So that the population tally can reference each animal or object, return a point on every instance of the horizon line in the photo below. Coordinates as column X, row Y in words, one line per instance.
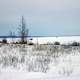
column 37, row 36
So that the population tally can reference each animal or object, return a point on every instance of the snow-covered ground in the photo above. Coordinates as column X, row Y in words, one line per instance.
column 62, row 40
column 39, row 62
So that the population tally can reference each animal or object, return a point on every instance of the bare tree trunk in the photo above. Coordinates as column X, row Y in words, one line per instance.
column 23, row 31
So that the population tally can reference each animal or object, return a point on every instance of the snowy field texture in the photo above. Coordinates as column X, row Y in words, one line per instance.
column 39, row 62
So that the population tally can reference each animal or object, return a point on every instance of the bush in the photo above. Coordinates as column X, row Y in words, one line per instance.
column 4, row 41
column 57, row 43
column 21, row 42
column 25, row 42
column 30, row 43
column 75, row 44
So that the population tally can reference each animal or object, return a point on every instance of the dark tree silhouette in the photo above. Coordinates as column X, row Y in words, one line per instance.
column 75, row 44
column 57, row 43
column 4, row 40
column 23, row 31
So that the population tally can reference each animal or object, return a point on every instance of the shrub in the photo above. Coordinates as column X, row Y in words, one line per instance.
column 21, row 42
column 25, row 42
column 30, row 43
column 57, row 43
column 75, row 44
column 4, row 41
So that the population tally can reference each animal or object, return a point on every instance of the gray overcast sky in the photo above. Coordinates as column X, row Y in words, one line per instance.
column 43, row 17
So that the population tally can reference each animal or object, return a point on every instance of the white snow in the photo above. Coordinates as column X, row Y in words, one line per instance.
column 18, row 62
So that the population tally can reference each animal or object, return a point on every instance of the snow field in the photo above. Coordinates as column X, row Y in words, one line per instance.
column 39, row 62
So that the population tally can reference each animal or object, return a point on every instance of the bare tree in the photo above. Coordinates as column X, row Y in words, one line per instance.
column 12, row 35
column 23, row 31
